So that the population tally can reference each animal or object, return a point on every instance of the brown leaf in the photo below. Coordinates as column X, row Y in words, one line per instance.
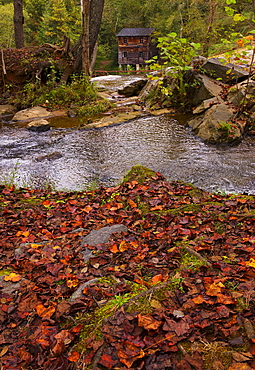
column 242, row 357
column 148, row 322
column 239, row 366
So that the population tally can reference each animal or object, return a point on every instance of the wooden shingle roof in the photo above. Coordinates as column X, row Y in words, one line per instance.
column 136, row 32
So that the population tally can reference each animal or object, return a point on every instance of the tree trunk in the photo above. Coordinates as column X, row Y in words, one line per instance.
column 95, row 17
column 85, row 37
column 18, row 24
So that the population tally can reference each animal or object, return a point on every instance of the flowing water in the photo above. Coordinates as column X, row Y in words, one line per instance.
column 73, row 159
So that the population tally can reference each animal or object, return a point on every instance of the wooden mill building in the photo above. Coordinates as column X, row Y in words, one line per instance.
column 135, row 46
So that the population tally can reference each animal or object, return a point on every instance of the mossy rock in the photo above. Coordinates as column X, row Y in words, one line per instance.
column 139, row 173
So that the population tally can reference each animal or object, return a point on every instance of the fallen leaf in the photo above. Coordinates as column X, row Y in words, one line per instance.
column 45, row 312
column 148, row 322
column 74, row 356
column 13, row 277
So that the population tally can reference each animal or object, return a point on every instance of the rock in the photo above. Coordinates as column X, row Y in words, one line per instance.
column 133, row 89
column 245, row 89
column 228, row 72
column 201, row 88
column 79, row 292
column 101, row 236
column 114, row 119
column 49, row 157
column 8, row 286
column 159, row 112
column 39, row 125
column 236, row 96
column 94, row 238
column 207, row 104
column 215, row 126
column 7, row 109
column 31, row 113
column 149, row 89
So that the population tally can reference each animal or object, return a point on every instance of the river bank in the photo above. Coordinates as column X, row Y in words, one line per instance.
column 166, row 280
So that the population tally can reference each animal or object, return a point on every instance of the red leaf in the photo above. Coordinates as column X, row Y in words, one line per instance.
column 107, row 361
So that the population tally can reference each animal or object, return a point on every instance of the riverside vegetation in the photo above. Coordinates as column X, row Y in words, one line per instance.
column 174, row 289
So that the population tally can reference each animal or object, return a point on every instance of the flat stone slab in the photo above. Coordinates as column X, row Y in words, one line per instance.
column 100, row 236
column 39, row 125
column 7, row 109
column 31, row 113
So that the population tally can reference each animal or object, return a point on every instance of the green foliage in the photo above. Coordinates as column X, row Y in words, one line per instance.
column 50, row 21
column 80, row 95
column 6, row 26
column 175, row 53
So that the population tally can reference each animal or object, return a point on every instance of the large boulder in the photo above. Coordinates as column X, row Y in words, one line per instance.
column 133, row 89
column 31, row 113
column 201, row 87
column 215, row 125
column 228, row 72
column 243, row 92
column 150, row 87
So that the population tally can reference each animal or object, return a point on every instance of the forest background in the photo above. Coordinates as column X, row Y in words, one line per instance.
column 205, row 22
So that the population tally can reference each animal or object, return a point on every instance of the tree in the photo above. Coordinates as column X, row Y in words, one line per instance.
column 18, row 24
column 92, row 11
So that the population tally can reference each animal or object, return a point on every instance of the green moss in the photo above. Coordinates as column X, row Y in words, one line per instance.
column 193, row 208
column 189, row 261
column 138, row 173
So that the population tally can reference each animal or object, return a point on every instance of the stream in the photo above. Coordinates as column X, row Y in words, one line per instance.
column 73, row 159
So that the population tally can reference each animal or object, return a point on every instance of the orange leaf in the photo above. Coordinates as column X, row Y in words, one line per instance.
column 156, row 279
column 148, row 322
column 114, row 248
column 46, row 203
column 157, row 208
column 74, row 356
column 199, row 299
column 12, row 277
column 132, row 203
column 87, row 209
column 214, row 289
column 45, row 311
column 43, row 342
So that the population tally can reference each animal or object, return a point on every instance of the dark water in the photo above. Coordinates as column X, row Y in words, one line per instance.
column 101, row 157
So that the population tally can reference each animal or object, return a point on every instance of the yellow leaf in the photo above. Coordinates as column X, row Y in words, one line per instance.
column 4, row 351
column 123, row 246
column 250, row 263
column 33, row 245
